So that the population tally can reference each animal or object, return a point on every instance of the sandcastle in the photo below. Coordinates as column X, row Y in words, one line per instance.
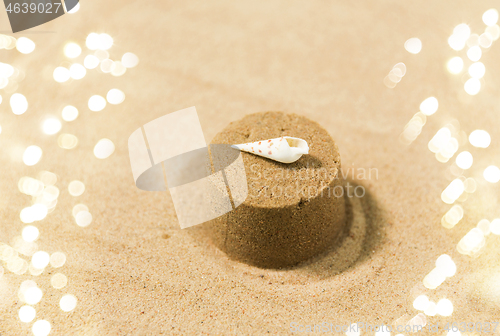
column 293, row 211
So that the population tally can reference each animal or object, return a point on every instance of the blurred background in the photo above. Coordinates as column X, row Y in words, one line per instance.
column 409, row 88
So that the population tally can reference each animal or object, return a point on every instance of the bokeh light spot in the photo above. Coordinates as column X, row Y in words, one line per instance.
column 472, row 86
column 492, row 174
column 83, row 218
column 97, row 103
column 429, row 106
column 455, row 65
column 480, row 139
column 57, row 259
column 72, row 50
column 115, row 96
column 104, row 148
column 130, row 60
column 18, row 103
column 69, row 113
column 51, row 126
column 413, row 45
column 68, row 302
column 58, row 281
column 32, row 155
column 76, row 188
column 41, row 328
column 30, row 233
column 27, row 314
column 61, row 74
column 24, row 45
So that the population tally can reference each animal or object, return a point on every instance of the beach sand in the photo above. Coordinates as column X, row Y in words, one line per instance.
column 135, row 272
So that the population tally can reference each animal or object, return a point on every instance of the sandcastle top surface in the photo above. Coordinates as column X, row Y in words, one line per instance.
column 274, row 184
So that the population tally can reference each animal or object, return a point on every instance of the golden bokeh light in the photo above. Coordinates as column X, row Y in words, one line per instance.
column 477, row 70
column 433, row 280
column 92, row 41
column 77, row 71
column 6, row 70
column 453, row 191
column 30, row 186
column 452, row 217
column 57, row 259
column 421, row 302
column 69, row 113
column 490, row 17
column 75, row 9
column 462, row 31
column 83, row 218
column 30, row 233
column 472, row 86
column 119, row 69
column 485, row 40
column 97, row 103
column 51, row 126
column 474, row 53
column 455, row 65
column 39, row 211
column 91, row 62
column 429, row 106
column 470, row 185
column 58, row 281
column 27, row 314
column 493, row 32
column 50, row 193
column 32, row 155
column 492, row 174
column 35, row 271
column 18, row 103
column 76, row 188
column 47, row 178
column 24, row 45
column 480, row 139
column 68, row 302
column 473, row 40
column 115, row 96
column 484, row 225
column 444, row 307
column 41, row 327
column 446, row 265
column 72, row 50
column 495, row 226
column 431, row 309
column 105, row 42
column 67, row 141
column 130, row 60
column 61, row 74
column 40, row 259
column 464, row 160
column 79, row 207
column 101, row 55
column 104, row 148
column 107, row 65
column 471, row 243
column 413, row 45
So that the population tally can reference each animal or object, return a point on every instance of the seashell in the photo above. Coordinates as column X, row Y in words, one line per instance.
column 285, row 149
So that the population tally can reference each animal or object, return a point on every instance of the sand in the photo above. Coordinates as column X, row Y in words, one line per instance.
column 292, row 211
column 135, row 272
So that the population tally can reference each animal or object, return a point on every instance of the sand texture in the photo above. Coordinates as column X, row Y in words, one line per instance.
column 135, row 272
